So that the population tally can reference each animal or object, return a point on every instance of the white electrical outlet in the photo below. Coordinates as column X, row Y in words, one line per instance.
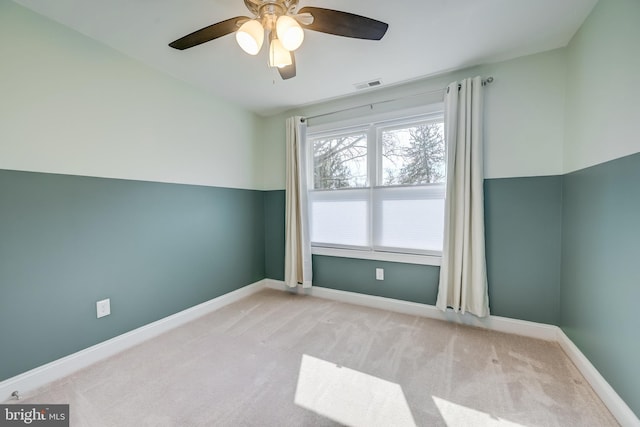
column 103, row 308
column 379, row 273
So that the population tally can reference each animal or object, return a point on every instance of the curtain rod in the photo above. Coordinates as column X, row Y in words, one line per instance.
column 485, row 82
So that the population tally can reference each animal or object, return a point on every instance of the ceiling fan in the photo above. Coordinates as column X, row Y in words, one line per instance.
column 284, row 26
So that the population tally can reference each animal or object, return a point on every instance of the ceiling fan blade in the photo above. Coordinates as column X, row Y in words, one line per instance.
column 206, row 34
column 290, row 70
column 344, row 24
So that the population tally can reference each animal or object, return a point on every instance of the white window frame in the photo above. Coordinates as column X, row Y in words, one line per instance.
column 373, row 125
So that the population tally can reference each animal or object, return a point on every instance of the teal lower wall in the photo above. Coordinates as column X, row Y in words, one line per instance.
column 523, row 240
column 154, row 249
column 600, row 289
column 408, row 282
column 523, row 232
column 274, row 205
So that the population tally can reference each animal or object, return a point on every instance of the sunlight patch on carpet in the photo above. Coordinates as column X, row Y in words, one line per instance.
column 458, row 415
column 350, row 397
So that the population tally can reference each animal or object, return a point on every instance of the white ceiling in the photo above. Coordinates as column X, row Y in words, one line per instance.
column 425, row 37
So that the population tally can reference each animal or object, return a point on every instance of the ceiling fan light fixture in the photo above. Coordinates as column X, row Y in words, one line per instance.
column 284, row 24
column 289, row 32
column 278, row 55
column 250, row 36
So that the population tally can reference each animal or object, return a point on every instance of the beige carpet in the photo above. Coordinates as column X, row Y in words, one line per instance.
column 276, row 359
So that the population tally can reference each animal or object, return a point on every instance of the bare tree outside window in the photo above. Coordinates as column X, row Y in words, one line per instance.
column 340, row 162
column 413, row 155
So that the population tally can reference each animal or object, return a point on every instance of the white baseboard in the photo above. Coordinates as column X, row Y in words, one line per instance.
column 496, row 323
column 620, row 410
column 42, row 375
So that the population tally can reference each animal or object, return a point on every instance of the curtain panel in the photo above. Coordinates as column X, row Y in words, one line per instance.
column 463, row 272
column 297, row 261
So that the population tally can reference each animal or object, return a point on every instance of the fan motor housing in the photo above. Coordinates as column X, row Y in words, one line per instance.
column 270, row 7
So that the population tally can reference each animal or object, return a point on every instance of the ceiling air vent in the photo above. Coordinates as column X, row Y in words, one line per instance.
column 367, row 85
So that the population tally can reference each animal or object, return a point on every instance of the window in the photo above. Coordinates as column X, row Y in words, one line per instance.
column 378, row 187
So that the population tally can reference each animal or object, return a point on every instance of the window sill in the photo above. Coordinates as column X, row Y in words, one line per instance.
column 378, row 256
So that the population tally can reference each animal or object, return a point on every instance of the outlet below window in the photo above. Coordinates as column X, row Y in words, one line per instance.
column 379, row 273
column 103, row 308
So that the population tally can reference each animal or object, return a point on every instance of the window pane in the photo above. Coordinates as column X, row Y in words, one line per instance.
column 412, row 224
column 409, row 218
column 413, row 154
column 340, row 161
column 340, row 217
column 390, row 198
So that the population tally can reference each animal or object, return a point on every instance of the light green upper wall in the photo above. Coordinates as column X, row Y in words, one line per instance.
column 603, row 114
column 71, row 105
column 524, row 115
